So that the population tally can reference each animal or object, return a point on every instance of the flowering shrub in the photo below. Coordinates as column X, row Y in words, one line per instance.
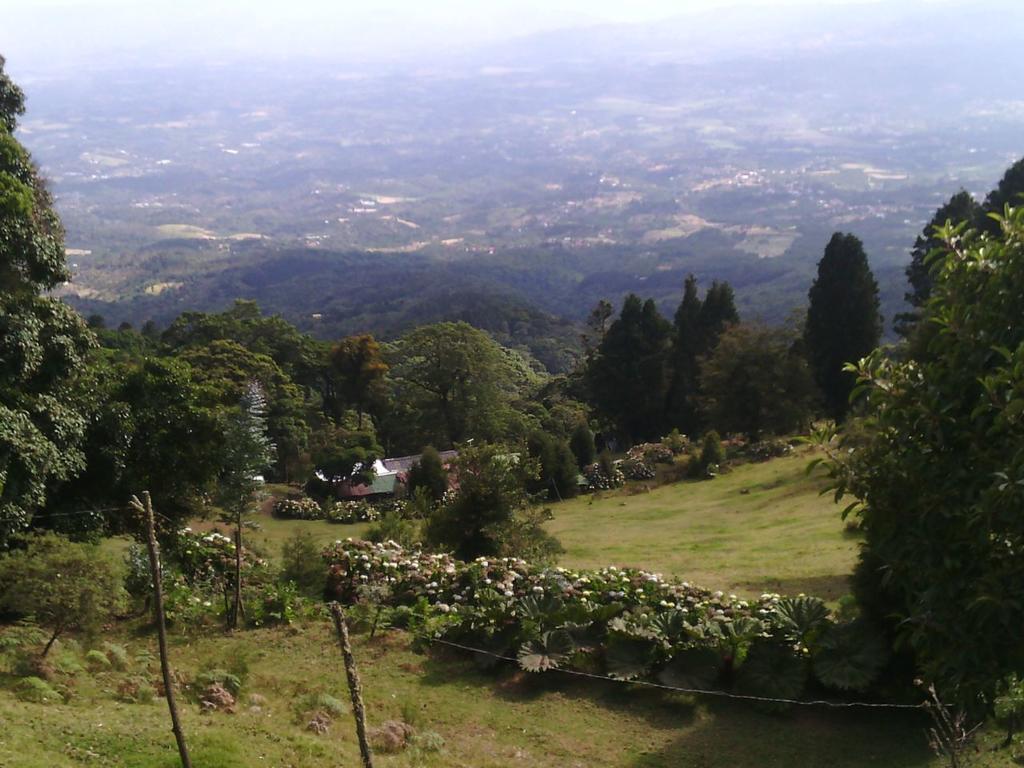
column 637, row 469
column 298, row 509
column 598, row 479
column 348, row 512
column 765, row 450
column 651, row 453
column 633, row 623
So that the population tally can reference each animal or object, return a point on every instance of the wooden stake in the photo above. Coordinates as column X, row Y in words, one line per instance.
column 354, row 687
column 236, row 610
column 146, row 508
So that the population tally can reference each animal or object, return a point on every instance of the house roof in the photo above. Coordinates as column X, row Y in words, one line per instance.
column 405, row 463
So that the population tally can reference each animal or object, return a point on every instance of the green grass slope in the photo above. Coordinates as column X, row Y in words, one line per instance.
column 487, row 720
column 761, row 527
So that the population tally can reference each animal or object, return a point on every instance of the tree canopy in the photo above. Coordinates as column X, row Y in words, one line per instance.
column 43, row 343
column 939, row 474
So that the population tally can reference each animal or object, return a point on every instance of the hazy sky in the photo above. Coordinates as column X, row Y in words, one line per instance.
column 38, row 34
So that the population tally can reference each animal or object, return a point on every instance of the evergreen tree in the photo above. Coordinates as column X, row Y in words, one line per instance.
column 716, row 314
column 959, row 208
column 628, row 376
column 247, row 453
column 581, row 443
column 843, row 321
column 698, row 326
column 43, row 343
column 557, row 477
column 686, row 349
column 1010, row 191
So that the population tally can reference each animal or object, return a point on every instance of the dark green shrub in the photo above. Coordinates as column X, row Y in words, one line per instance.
column 65, row 585
column 581, row 442
column 301, row 564
column 429, row 473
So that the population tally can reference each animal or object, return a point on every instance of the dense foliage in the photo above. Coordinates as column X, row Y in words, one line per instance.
column 756, row 381
column 61, row 584
column 939, row 473
column 43, row 343
column 627, row 623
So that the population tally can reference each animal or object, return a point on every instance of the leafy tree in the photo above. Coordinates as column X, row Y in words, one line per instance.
column 491, row 493
column 231, row 369
column 756, row 381
column 342, row 455
column 458, row 382
column 843, row 322
column 64, row 585
column 357, row 371
column 581, row 443
column 43, row 343
column 298, row 355
column 939, row 475
column 961, row 207
column 429, row 474
column 628, row 376
column 155, row 429
column 246, row 455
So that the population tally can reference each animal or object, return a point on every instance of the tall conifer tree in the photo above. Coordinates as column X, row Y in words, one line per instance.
column 843, row 321
column 959, row 208
column 628, row 375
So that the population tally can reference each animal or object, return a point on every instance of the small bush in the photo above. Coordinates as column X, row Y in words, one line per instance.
column 676, row 442
column 298, row 509
column 711, row 451
column 427, row 741
column 36, row 690
column 96, row 661
column 348, row 512
column 394, row 527
column 117, row 655
column 230, row 682
column 637, row 469
column 136, row 690
column 301, row 564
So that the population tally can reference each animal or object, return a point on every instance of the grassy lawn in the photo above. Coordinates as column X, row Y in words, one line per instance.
column 270, row 532
column 486, row 719
column 761, row 527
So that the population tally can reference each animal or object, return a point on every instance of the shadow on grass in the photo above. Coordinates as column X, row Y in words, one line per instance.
column 706, row 732
column 828, row 586
column 740, row 736
column 506, row 681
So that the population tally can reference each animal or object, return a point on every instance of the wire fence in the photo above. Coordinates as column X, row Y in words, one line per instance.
column 691, row 691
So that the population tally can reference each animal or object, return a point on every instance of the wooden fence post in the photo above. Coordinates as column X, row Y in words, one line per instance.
column 354, row 687
column 146, row 508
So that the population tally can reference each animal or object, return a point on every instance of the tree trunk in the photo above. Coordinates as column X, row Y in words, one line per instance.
column 161, row 628
column 236, row 609
column 354, row 687
column 53, row 639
